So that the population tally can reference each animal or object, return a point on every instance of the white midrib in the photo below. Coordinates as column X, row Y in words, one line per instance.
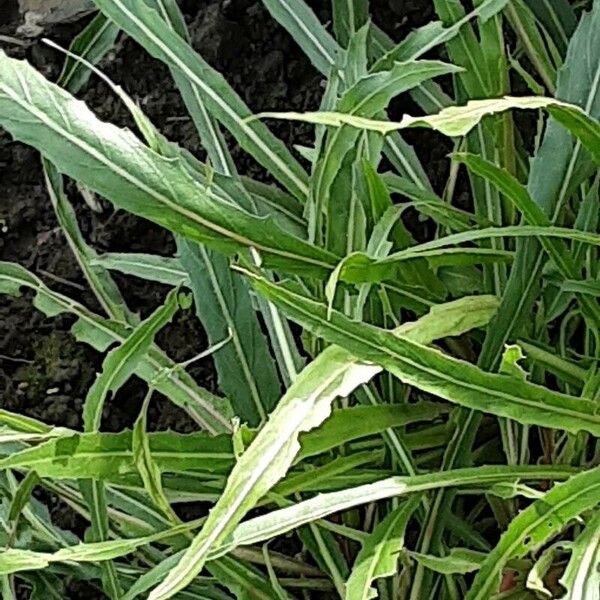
column 559, row 205
column 301, row 185
column 76, row 309
column 66, row 79
column 40, row 115
column 222, row 161
column 585, row 566
column 237, row 343
column 331, row 145
column 483, row 391
column 119, row 454
column 139, row 266
column 330, row 59
column 198, row 551
column 512, row 550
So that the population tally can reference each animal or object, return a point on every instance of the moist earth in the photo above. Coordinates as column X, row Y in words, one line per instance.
column 44, row 372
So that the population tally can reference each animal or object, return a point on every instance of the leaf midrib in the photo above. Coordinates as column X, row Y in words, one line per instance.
column 593, row 419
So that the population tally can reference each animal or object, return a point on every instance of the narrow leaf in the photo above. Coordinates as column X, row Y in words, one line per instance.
column 533, row 526
column 379, row 554
column 305, row 405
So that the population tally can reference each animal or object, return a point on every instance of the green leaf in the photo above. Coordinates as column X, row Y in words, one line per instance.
column 245, row 368
column 533, row 526
column 533, row 40
column 223, row 302
column 459, row 561
column 305, row 405
column 302, row 24
column 578, row 82
column 424, row 39
column 379, row 554
column 353, row 423
column 208, row 410
column 116, row 164
column 147, row 27
column 150, row 267
column 591, row 287
column 457, row 121
column 99, row 279
column 348, row 17
column 12, row 561
column 96, row 39
column 322, row 49
column 581, row 578
column 436, row 373
column 94, row 495
column 21, row 498
column 286, row 519
column 91, row 44
column 243, row 580
column 110, row 455
column 358, row 267
column 148, row 468
column 208, row 129
column 279, row 521
column 518, row 194
column 558, row 17
column 366, row 98
column 431, row 205
column 121, row 363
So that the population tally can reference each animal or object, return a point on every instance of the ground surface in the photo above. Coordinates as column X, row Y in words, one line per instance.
column 43, row 371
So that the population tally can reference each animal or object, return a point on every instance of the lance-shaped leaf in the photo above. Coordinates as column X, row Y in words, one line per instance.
column 99, row 279
column 146, row 26
column 116, row 164
column 349, row 424
column 423, row 39
column 533, row 526
column 558, row 17
column 286, row 519
column 457, row 561
column 280, row 521
column 302, row 24
column 457, row 121
column 151, row 267
column 359, row 267
column 246, row 370
column 348, row 17
column 74, row 455
column 579, row 83
column 436, row 373
column 305, row 405
column 210, row 135
column 366, row 98
column 581, row 578
column 120, row 363
column 379, row 554
column 325, row 53
column 91, row 44
column 209, row 411
column 518, row 194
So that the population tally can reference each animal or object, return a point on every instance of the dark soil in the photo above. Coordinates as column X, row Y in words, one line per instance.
column 44, row 373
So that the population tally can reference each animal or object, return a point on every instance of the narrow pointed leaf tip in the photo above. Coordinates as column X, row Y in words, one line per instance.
column 456, row 121
column 116, row 164
column 435, row 372
column 335, row 373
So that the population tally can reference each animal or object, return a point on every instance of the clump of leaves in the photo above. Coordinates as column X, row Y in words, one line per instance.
column 437, row 425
